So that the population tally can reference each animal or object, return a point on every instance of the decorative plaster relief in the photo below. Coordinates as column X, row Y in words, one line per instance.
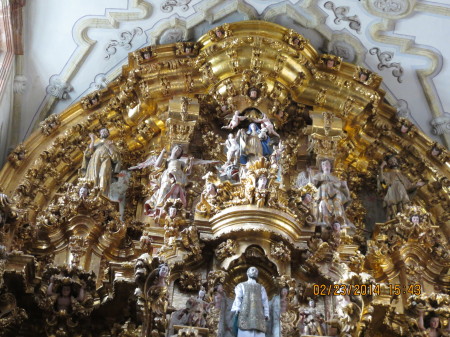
column 441, row 124
column 344, row 50
column 126, row 38
column 392, row 6
column 58, row 88
column 100, row 82
column 347, row 46
column 402, row 108
column 341, row 15
column 20, row 84
column 168, row 5
column 172, row 35
column 385, row 58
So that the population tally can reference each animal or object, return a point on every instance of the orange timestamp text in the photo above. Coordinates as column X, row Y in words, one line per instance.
column 346, row 289
column 364, row 289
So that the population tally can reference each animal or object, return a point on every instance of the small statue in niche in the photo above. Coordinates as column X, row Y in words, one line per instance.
column 332, row 195
column 313, row 322
column 100, row 162
column 219, row 297
column 253, row 93
column 276, row 159
column 399, row 189
column 146, row 55
column 363, row 76
column 184, row 107
column 235, row 120
column 198, row 309
column 7, row 214
column 208, row 198
column 173, row 222
column 261, row 191
column 219, row 33
column 336, row 228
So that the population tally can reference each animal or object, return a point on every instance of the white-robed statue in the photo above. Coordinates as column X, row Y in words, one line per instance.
column 252, row 306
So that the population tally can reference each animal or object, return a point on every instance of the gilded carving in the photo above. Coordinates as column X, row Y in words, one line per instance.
column 280, row 251
column 50, row 124
column 17, row 155
column 226, row 249
column 262, row 188
column 190, row 281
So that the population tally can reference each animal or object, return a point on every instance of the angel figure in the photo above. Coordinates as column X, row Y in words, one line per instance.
column 172, row 181
column 266, row 123
column 235, row 120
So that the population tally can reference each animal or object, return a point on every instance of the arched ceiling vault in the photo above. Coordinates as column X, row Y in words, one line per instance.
column 219, row 70
column 404, row 40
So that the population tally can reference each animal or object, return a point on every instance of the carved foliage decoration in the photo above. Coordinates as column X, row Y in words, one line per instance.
column 190, row 281
column 226, row 249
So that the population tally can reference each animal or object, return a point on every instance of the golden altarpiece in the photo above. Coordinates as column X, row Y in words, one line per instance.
column 138, row 210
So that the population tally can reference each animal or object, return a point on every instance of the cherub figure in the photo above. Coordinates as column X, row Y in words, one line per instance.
column 235, row 120
column 64, row 294
column 232, row 150
column 434, row 329
column 266, row 123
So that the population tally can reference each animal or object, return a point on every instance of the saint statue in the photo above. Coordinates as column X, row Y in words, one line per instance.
column 100, row 161
column 252, row 144
column 314, row 322
column 251, row 306
column 399, row 188
column 332, row 195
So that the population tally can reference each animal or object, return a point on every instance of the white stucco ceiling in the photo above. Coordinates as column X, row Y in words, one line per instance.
column 80, row 45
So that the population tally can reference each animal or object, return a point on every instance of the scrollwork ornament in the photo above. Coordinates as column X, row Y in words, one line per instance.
column 384, row 58
column 126, row 38
column 168, row 5
column 341, row 14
